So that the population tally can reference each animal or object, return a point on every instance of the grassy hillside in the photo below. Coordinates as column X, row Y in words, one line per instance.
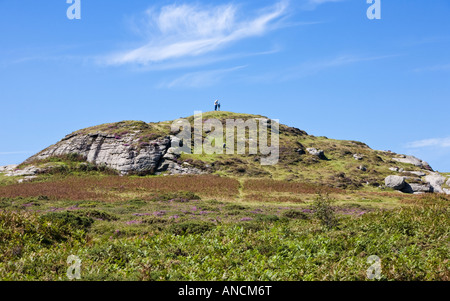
column 338, row 169
column 305, row 218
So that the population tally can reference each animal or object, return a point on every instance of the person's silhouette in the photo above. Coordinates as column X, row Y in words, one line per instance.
column 216, row 105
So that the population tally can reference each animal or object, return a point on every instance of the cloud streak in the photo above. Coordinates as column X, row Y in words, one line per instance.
column 15, row 153
column 200, row 78
column 433, row 142
column 313, row 4
column 180, row 31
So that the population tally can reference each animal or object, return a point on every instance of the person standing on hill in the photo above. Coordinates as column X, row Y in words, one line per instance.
column 216, row 104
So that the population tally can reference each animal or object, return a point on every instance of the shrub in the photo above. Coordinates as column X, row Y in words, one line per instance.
column 294, row 214
column 115, row 254
column 136, row 203
column 324, row 211
column 192, row 227
column 27, row 229
column 232, row 207
column 102, row 215
column 267, row 218
column 252, row 226
column 215, row 202
column 68, row 218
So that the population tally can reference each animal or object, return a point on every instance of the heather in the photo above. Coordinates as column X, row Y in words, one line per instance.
column 182, row 235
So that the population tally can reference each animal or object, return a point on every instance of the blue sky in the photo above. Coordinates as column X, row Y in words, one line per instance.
column 319, row 65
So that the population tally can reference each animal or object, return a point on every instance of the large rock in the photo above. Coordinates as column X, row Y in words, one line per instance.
column 417, row 188
column 436, row 181
column 362, row 168
column 417, row 173
column 414, row 161
column 28, row 171
column 7, row 168
column 316, row 152
column 125, row 155
column 395, row 182
column 357, row 157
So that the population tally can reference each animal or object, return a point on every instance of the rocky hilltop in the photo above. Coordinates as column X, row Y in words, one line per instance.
column 130, row 147
column 136, row 147
column 120, row 154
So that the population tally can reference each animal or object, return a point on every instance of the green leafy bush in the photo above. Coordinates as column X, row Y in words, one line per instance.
column 232, row 207
column 23, row 230
column 295, row 214
column 324, row 211
column 267, row 218
column 76, row 221
column 192, row 227
column 98, row 214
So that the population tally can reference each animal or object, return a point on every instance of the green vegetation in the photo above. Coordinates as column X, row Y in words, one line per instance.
column 325, row 212
column 339, row 169
column 305, row 218
column 167, row 239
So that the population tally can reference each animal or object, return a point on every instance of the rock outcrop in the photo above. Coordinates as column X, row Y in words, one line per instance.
column 431, row 183
column 7, row 168
column 124, row 154
column 417, row 173
column 417, row 188
column 30, row 171
column 395, row 182
column 315, row 152
column 436, row 181
column 396, row 169
column 412, row 160
column 357, row 157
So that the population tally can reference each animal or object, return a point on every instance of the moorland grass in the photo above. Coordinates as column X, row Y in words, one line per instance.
column 174, row 238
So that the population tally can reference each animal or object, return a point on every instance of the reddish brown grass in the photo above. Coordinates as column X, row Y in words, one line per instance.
column 112, row 187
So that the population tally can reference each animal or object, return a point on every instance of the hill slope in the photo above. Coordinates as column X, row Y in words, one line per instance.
column 136, row 147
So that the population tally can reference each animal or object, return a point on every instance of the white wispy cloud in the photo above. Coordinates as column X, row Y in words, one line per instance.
column 318, row 2
column 186, row 30
column 15, row 153
column 433, row 142
column 203, row 60
column 313, row 4
column 200, row 78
